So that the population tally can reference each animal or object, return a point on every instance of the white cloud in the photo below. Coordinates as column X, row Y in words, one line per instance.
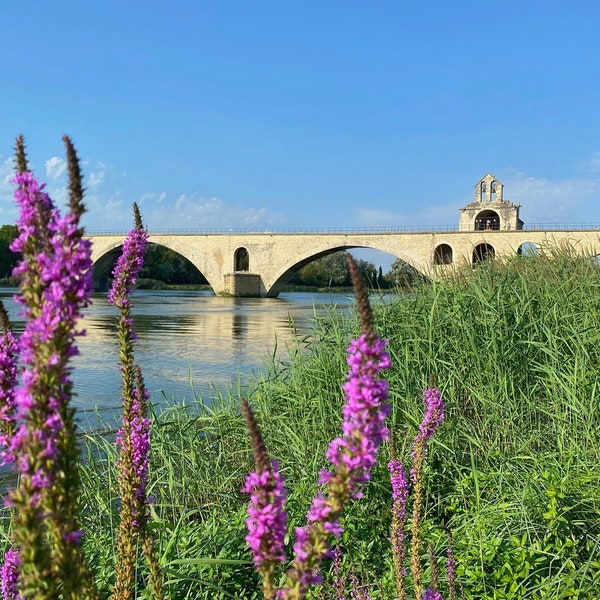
column 95, row 179
column 195, row 212
column 153, row 197
column 56, row 169
column 553, row 201
column 101, row 173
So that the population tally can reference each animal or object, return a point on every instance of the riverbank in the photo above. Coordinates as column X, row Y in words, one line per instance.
column 514, row 470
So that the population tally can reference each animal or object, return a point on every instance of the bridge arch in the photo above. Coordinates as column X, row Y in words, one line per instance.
column 483, row 252
column 297, row 263
column 443, row 255
column 103, row 260
column 528, row 249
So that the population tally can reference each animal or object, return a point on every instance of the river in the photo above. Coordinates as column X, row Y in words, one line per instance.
column 189, row 343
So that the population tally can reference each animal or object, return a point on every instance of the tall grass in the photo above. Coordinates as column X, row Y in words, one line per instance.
column 514, row 471
column 515, row 349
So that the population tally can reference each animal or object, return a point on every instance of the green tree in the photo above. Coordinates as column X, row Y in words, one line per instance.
column 8, row 258
column 335, row 269
column 403, row 275
column 368, row 271
column 332, row 270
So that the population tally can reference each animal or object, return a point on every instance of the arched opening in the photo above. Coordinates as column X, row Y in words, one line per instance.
column 442, row 255
column 487, row 219
column 528, row 249
column 328, row 269
column 493, row 191
column 103, row 269
column 241, row 260
column 483, row 252
column 161, row 266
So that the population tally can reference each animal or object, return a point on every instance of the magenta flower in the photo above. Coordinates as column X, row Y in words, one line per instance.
column 434, row 414
column 267, row 517
column 352, row 457
column 9, row 355
column 128, row 267
column 56, row 284
column 400, row 491
column 354, row 454
column 431, row 595
column 365, row 411
column 9, row 575
column 140, row 442
column 133, row 437
column 267, row 521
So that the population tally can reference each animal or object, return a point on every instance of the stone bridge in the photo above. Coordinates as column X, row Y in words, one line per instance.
column 259, row 264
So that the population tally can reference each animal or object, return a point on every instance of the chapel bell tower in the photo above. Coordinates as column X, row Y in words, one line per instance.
column 489, row 210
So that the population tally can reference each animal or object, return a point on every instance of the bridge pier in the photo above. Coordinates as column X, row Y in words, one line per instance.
column 244, row 284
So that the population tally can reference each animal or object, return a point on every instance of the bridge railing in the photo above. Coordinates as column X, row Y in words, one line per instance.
column 345, row 230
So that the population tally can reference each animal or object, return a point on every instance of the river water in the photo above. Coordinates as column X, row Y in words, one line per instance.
column 189, row 343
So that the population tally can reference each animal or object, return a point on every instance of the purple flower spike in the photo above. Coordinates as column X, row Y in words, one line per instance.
column 267, row 517
column 434, row 415
column 352, row 456
column 9, row 353
column 56, row 283
column 129, row 264
column 267, row 521
column 140, row 442
column 133, row 438
column 55, row 273
column 9, row 575
column 365, row 411
column 431, row 595
column 400, row 491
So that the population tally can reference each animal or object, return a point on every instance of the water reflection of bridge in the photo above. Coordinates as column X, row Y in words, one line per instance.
column 254, row 263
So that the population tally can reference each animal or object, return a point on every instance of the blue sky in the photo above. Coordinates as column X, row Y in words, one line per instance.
column 236, row 114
